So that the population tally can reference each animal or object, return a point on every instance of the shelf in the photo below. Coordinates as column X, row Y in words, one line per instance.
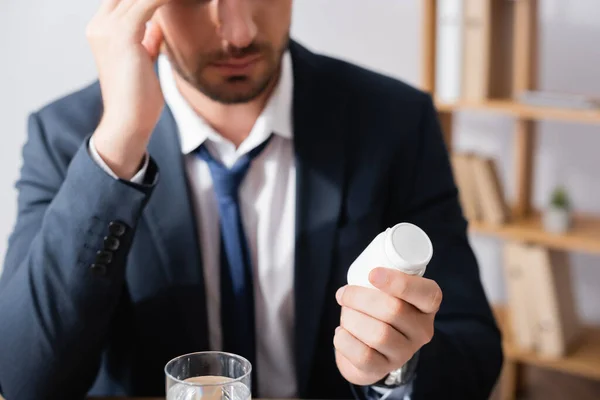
column 508, row 107
column 584, row 235
column 583, row 360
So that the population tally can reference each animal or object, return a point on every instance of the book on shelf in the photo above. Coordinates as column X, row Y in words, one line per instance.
column 558, row 326
column 465, row 180
column 559, row 100
column 473, row 50
column 490, row 191
column 542, row 308
column 477, row 49
column 500, row 77
column 481, row 192
column 449, row 48
column 521, row 308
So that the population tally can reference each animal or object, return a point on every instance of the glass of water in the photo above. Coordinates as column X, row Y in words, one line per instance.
column 210, row 375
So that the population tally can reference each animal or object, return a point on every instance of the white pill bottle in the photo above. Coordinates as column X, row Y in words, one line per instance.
column 404, row 247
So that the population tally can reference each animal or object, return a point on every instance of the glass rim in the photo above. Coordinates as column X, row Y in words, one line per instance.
column 198, row 353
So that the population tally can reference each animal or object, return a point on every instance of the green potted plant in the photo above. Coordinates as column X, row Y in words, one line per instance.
column 557, row 216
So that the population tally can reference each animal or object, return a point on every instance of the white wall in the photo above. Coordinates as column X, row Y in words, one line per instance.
column 44, row 54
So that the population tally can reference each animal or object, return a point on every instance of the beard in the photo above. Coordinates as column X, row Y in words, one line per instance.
column 231, row 89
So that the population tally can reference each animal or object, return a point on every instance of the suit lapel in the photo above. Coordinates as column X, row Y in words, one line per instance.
column 171, row 221
column 320, row 159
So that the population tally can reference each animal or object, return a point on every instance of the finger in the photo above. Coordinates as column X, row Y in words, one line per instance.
column 153, row 39
column 107, row 6
column 141, row 11
column 125, row 5
column 401, row 315
column 359, row 354
column 378, row 335
column 353, row 374
column 421, row 292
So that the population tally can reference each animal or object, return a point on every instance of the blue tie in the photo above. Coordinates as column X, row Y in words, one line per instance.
column 237, row 294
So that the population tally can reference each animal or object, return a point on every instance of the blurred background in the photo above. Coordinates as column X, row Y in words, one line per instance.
column 45, row 55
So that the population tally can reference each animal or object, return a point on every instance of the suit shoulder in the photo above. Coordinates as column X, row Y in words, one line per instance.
column 61, row 126
column 82, row 105
column 377, row 106
column 370, row 84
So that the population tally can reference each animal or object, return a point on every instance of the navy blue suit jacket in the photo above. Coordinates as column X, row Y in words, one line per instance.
column 369, row 154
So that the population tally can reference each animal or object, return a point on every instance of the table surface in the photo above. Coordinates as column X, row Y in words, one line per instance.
column 131, row 398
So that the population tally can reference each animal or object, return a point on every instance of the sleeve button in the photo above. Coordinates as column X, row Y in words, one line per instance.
column 98, row 269
column 111, row 243
column 103, row 257
column 116, row 228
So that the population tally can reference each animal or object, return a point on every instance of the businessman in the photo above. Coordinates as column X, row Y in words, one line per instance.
column 210, row 191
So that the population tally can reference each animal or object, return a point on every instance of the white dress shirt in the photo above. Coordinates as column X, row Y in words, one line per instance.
column 267, row 201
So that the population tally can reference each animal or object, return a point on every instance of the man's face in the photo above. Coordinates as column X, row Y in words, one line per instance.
column 230, row 50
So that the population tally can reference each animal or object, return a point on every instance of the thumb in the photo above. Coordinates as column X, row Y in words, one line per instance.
column 153, row 39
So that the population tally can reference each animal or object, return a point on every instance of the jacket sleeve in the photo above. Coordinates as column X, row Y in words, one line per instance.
column 464, row 358
column 64, row 269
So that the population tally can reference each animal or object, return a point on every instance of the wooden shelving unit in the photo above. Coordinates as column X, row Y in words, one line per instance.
column 583, row 360
column 524, row 111
column 525, row 223
column 584, row 235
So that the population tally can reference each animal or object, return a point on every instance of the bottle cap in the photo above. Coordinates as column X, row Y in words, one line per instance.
column 409, row 248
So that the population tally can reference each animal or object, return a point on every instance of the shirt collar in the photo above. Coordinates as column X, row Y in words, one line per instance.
column 276, row 117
